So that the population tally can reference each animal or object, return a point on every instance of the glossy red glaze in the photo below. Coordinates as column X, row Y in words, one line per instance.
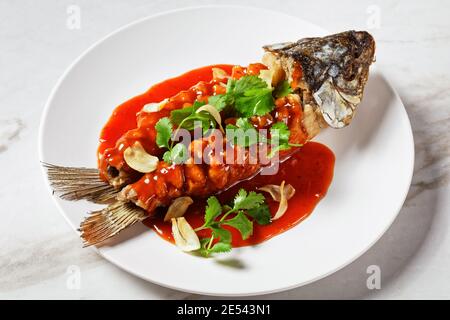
column 309, row 171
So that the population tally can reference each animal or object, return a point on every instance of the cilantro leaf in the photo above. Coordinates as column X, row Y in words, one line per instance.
column 247, row 83
column 279, row 136
column 167, row 157
column 251, row 204
column 244, row 124
column 231, row 84
column 255, row 102
column 249, row 96
column 222, row 234
column 220, row 101
column 240, row 197
column 242, row 224
column 179, row 153
column 280, row 132
column 204, row 244
column 243, row 133
column 177, row 116
column 213, row 210
column 198, row 120
column 197, row 104
column 247, row 201
column 220, row 247
column 187, row 118
column 261, row 214
column 163, row 132
column 282, row 89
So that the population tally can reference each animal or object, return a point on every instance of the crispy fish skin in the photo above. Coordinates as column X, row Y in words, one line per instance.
column 334, row 71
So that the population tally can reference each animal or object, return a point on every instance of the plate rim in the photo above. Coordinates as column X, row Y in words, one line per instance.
column 59, row 82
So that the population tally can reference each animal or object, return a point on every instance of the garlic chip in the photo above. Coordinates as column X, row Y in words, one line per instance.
column 219, row 74
column 178, row 208
column 138, row 159
column 281, row 194
column 212, row 111
column 185, row 237
column 274, row 191
column 154, row 106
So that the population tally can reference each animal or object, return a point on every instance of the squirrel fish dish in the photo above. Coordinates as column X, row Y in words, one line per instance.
column 221, row 156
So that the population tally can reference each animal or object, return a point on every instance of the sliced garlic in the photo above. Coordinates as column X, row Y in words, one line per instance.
column 151, row 107
column 212, row 111
column 275, row 191
column 154, row 106
column 280, row 194
column 219, row 73
column 178, row 208
column 283, row 204
column 185, row 237
column 138, row 159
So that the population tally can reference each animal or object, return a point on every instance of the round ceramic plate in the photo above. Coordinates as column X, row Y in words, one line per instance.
column 374, row 155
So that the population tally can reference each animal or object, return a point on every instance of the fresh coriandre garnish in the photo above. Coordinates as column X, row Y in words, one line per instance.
column 244, row 133
column 249, row 96
column 261, row 214
column 178, row 154
column 187, row 118
column 282, row 89
column 163, row 132
column 247, row 201
column 251, row 204
column 175, row 154
column 280, row 133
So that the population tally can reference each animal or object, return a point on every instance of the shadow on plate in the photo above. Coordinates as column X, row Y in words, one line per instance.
column 231, row 263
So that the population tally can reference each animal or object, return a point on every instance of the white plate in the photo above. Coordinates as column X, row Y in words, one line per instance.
column 374, row 155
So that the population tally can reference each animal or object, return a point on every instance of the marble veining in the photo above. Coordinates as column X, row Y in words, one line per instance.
column 9, row 132
column 28, row 264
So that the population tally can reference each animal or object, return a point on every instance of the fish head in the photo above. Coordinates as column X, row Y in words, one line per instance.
column 334, row 71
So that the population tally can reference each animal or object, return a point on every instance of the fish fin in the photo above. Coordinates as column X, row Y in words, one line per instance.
column 106, row 223
column 79, row 183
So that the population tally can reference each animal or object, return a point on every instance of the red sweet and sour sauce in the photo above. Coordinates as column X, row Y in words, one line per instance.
column 309, row 171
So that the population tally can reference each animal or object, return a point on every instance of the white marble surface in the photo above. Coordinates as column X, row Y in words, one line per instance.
column 37, row 247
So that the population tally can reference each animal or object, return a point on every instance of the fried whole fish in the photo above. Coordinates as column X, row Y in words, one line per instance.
column 327, row 77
